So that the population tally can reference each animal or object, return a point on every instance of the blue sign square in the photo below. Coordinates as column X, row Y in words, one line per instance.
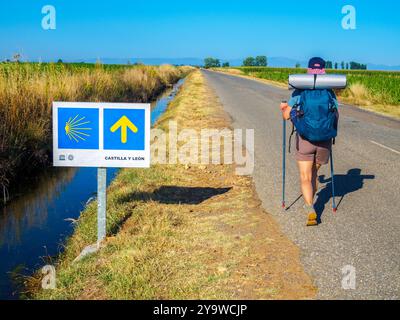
column 78, row 128
column 124, row 129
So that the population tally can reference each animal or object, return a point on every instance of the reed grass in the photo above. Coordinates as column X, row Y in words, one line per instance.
column 27, row 91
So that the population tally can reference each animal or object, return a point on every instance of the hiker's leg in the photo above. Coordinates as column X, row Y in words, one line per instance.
column 321, row 158
column 306, row 178
column 316, row 167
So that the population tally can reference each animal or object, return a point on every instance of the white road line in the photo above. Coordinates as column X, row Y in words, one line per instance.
column 383, row 146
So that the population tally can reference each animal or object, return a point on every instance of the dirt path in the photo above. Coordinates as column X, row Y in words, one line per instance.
column 184, row 231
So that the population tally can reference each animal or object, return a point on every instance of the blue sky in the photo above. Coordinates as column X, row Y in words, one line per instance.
column 199, row 28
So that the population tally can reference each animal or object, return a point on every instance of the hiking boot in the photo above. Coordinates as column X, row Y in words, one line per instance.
column 312, row 219
column 311, row 216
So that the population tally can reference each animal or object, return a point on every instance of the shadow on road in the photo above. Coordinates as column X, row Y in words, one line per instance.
column 344, row 184
column 176, row 195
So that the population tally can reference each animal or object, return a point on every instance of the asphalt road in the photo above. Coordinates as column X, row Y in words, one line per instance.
column 365, row 231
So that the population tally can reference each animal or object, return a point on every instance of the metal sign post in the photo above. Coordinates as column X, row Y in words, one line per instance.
column 101, row 204
column 96, row 134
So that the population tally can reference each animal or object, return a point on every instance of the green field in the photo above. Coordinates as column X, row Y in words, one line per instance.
column 376, row 87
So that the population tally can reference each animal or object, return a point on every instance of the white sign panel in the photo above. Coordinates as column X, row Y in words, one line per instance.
column 95, row 134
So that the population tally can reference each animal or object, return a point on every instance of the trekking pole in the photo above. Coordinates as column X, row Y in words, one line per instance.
column 334, row 209
column 283, row 159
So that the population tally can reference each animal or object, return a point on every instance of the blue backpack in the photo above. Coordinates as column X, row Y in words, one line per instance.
column 315, row 117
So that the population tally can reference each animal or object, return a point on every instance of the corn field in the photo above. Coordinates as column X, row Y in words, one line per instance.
column 382, row 87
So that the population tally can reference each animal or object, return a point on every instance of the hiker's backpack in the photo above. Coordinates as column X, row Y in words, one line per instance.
column 315, row 116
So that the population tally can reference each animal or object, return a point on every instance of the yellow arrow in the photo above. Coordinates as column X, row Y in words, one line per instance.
column 124, row 123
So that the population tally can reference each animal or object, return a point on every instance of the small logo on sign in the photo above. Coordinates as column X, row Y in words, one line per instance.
column 62, row 157
column 70, row 157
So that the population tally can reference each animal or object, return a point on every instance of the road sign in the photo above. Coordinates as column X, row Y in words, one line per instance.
column 91, row 134
column 124, row 124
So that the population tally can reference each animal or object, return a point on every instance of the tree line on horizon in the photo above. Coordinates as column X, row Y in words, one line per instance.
column 258, row 61
column 262, row 61
column 352, row 65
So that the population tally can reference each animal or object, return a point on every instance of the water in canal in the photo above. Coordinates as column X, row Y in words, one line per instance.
column 35, row 224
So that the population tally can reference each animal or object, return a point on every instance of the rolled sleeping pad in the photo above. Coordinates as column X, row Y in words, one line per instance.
column 320, row 81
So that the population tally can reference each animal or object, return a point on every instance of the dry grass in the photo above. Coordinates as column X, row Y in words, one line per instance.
column 359, row 95
column 229, row 70
column 182, row 232
column 27, row 92
column 251, row 75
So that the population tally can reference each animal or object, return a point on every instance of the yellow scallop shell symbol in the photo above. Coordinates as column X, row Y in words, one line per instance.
column 77, row 128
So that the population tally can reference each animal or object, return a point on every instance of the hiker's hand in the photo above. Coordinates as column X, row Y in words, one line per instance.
column 285, row 110
column 283, row 106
